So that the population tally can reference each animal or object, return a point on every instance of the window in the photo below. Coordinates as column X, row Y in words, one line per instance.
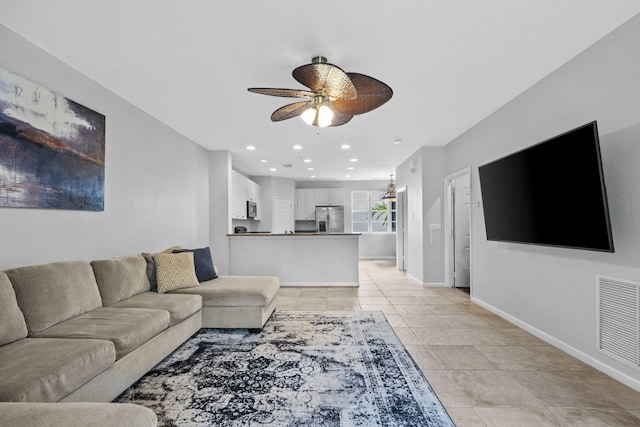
column 369, row 214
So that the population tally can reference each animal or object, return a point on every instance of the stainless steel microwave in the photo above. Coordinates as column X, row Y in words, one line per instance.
column 252, row 209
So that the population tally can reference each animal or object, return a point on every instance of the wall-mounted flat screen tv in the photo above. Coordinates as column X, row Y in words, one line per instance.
column 551, row 194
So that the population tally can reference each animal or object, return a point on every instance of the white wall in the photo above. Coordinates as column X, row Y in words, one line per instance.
column 551, row 291
column 220, row 208
column 422, row 176
column 372, row 245
column 156, row 181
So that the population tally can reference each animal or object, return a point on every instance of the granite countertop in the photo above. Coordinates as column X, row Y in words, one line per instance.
column 297, row 233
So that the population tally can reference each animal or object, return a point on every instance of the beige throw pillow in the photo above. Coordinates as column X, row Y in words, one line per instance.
column 175, row 271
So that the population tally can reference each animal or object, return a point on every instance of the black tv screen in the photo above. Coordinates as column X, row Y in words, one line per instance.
column 552, row 194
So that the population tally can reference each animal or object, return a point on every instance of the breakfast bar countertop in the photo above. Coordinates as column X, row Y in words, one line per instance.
column 296, row 234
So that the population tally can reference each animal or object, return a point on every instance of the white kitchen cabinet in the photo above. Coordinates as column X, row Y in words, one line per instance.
column 305, row 204
column 308, row 198
column 337, row 196
column 239, row 190
column 253, row 194
column 330, row 196
column 242, row 190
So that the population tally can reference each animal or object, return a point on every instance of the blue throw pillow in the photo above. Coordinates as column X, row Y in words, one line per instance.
column 203, row 261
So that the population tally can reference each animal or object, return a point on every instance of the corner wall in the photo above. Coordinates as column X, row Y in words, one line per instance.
column 422, row 177
column 551, row 291
column 156, row 180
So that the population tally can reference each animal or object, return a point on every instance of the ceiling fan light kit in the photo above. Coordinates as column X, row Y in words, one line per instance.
column 336, row 96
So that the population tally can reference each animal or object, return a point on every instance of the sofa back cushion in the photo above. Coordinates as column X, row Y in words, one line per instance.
column 51, row 293
column 120, row 278
column 12, row 325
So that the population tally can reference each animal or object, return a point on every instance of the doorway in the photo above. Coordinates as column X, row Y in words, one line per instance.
column 458, row 230
column 282, row 215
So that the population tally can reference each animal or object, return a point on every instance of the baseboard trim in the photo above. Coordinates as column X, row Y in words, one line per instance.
column 434, row 285
column 589, row 360
column 377, row 257
column 319, row 284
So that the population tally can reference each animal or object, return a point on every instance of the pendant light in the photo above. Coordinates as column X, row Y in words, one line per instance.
column 390, row 194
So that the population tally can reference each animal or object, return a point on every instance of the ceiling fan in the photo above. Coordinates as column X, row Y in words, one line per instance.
column 336, row 96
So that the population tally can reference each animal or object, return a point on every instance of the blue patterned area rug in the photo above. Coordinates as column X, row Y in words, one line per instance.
column 303, row 369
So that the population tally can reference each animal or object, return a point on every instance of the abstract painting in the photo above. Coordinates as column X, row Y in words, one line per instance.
column 52, row 149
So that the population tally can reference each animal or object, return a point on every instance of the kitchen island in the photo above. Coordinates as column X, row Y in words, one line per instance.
column 298, row 259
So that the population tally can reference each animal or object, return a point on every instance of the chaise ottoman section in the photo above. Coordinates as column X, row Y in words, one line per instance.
column 236, row 301
column 127, row 328
column 56, row 367
column 38, row 414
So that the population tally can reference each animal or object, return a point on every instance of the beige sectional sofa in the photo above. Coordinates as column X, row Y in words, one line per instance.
column 83, row 332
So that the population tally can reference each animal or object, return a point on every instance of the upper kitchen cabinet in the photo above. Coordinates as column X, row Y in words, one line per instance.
column 308, row 198
column 242, row 190
column 330, row 196
column 305, row 204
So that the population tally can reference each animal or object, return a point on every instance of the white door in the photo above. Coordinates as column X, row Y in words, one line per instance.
column 282, row 215
column 457, row 190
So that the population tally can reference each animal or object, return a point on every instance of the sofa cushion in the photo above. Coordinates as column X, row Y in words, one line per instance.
column 51, row 293
column 127, row 328
column 175, row 271
column 76, row 414
column 151, row 265
column 236, row 291
column 203, row 262
column 120, row 278
column 180, row 307
column 46, row 370
column 12, row 325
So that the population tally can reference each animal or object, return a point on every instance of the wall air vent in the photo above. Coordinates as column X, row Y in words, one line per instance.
column 618, row 317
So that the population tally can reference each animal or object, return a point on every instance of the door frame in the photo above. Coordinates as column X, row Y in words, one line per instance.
column 448, row 229
column 402, row 240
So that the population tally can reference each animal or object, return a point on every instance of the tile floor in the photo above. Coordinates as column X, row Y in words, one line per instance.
column 486, row 371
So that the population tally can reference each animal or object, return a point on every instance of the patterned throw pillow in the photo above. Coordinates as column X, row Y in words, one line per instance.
column 151, row 266
column 175, row 271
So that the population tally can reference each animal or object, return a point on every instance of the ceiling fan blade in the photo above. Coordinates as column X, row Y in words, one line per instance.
column 286, row 93
column 290, row 110
column 338, row 118
column 372, row 93
column 326, row 78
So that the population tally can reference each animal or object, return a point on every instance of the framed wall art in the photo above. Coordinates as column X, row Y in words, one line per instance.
column 52, row 149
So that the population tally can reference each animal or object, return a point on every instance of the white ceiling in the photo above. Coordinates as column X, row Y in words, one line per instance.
column 189, row 64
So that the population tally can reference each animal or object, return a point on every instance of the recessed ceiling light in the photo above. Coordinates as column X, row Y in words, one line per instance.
column 297, row 147
column 309, row 169
column 307, row 160
column 345, row 146
column 272, row 169
column 353, row 160
column 250, row 147
column 347, row 176
column 263, row 161
column 313, row 176
column 397, row 141
column 350, row 168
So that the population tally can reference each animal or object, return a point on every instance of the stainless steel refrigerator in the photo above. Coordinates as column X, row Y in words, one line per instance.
column 330, row 219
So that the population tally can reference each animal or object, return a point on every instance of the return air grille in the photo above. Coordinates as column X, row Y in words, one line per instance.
column 618, row 314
